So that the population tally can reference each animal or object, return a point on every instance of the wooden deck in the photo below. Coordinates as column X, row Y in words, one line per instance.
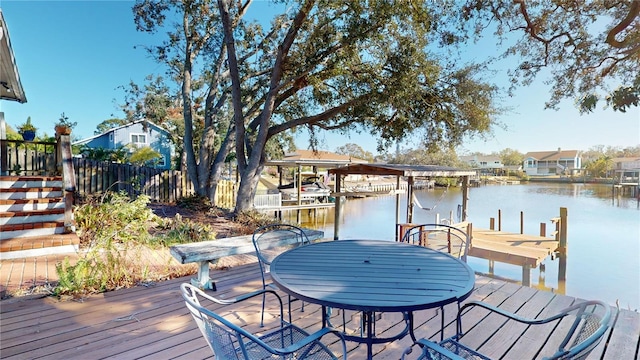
column 511, row 248
column 153, row 323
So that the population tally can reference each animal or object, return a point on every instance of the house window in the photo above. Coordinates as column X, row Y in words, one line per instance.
column 111, row 136
column 139, row 139
column 161, row 162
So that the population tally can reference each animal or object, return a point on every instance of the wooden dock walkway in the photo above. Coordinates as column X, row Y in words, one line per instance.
column 153, row 323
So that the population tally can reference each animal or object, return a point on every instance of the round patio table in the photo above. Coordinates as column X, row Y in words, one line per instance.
column 372, row 276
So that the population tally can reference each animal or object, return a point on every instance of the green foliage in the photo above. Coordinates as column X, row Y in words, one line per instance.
column 144, row 156
column 26, row 126
column 119, row 155
column 354, row 150
column 343, row 66
column 600, row 167
column 115, row 238
column 114, row 218
column 511, row 157
column 584, row 46
column 64, row 121
column 109, row 124
column 180, row 230
column 110, row 228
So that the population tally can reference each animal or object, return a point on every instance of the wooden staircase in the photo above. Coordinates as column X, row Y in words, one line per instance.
column 32, row 218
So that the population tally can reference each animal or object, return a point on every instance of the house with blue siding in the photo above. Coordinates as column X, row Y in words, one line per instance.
column 135, row 135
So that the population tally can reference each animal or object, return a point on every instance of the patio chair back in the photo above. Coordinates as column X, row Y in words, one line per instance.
column 263, row 234
column 581, row 328
column 231, row 342
column 445, row 238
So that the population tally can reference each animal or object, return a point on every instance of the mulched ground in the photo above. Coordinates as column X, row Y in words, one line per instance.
column 222, row 223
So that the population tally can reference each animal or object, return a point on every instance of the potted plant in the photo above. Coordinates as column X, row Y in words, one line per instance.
column 27, row 130
column 64, row 126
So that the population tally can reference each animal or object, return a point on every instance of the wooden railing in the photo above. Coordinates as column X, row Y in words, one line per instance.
column 19, row 157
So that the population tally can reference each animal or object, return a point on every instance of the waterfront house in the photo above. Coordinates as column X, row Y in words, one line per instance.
column 557, row 162
column 135, row 135
column 626, row 169
column 485, row 164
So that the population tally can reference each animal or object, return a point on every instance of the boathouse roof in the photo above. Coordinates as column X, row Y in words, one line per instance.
column 402, row 170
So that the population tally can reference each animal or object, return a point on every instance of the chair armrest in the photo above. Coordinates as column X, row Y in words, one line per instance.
column 426, row 344
column 244, row 297
column 466, row 307
column 316, row 337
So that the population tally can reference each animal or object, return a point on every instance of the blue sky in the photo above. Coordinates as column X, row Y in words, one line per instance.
column 73, row 55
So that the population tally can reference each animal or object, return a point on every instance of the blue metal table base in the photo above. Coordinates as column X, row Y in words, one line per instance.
column 368, row 324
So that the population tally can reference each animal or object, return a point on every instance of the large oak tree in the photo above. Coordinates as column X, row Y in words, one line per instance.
column 322, row 65
column 589, row 49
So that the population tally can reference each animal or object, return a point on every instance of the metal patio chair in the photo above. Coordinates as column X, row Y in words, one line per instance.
column 260, row 239
column 445, row 238
column 229, row 341
column 585, row 324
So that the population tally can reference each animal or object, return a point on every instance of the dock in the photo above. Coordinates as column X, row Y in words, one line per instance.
column 527, row 251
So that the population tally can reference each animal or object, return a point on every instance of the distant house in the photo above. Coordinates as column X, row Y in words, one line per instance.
column 626, row 169
column 486, row 164
column 558, row 162
column 134, row 135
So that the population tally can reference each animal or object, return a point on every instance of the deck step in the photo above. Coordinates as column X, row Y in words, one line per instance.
column 31, row 229
column 38, row 245
column 31, row 217
column 30, row 193
column 13, row 182
column 16, row 205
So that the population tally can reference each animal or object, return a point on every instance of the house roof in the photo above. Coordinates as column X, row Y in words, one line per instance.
column 10, row 85
column 552, row 155
column 314, row 158
column 478, row 158
column 86, row 140
column 402, row 170
column 625, row 159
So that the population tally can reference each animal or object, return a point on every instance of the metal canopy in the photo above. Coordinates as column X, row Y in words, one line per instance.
column 10, row 85
column 399, row 170
column 402, row 170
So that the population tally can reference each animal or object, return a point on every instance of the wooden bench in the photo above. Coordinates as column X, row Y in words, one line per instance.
column 206, row 252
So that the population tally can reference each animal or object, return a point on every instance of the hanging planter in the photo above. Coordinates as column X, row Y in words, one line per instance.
column 27, row 130
column 28, row 135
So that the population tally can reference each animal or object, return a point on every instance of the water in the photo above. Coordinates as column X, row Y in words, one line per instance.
column 603, row 233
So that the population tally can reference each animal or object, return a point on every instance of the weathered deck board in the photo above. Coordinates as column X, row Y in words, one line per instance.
column 153, row 323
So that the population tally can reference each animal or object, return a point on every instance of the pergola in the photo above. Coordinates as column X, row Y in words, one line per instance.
column 410, row 172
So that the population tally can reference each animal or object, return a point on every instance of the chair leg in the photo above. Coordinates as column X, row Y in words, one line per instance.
column 264, row 298
column 442, row 323
column 290, row 309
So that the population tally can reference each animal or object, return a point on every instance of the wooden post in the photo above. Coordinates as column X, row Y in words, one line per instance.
column 337, row 209
column 397, row 207
column 68, row 180
column 465, row 197
column 543, row 229
column 562, row 247
column 492, row 223
column 410, row 199
column 562, row 231
column 526, row 275
column 499, row 220
column 521, row 222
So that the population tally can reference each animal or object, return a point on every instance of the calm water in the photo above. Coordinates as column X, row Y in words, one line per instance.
column 603, row 233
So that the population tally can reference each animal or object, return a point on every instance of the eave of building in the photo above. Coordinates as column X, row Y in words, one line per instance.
column 10, row 85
